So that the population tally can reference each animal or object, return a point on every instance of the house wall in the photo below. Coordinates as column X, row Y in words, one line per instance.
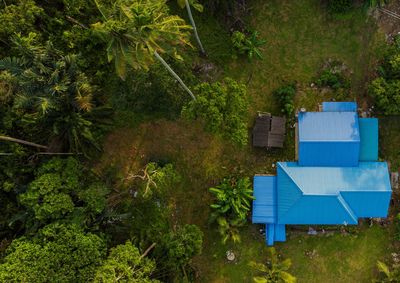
column 325, row 153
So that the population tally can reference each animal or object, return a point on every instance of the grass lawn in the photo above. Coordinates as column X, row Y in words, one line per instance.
column 300, row 37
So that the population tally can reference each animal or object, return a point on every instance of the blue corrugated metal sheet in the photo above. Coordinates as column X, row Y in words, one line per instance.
column 275, row 233
column 369, row 139
column 317, row 210
column 368, row 204
column 328, row 139
column 368, row 176
column 329, row 153
column 339, row 106
column 280, row 233
column 288, row 193
column 328, row 126
column 323, row 193
column 264, row 204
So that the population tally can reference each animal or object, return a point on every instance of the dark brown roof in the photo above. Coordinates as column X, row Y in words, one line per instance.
column 269, row 131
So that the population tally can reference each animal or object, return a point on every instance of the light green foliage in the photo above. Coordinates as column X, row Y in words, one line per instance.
column 134, row 30
column 60, row 187
column 59, row 253
column 248, row 45
column 276, row 270
column 181, row 246
column 231, row 206
column 125, row 264
column 386, row 94
column 388, row 275
column 285, row 96
column 223, row 107
column 194, row 3
column 19, row 18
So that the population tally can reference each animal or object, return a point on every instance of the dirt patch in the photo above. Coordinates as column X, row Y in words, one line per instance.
column 389, row 25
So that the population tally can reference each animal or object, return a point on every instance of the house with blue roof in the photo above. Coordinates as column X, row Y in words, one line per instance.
column 336, row 181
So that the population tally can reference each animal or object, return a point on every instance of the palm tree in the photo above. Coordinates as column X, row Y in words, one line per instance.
column 53, row 94
column 138, row 31
column 275, row 270
column 198, row 7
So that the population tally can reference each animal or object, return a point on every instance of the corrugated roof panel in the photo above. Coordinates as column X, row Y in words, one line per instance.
column 328, row 126
column 287, row 192
column 368, row 204
column 317, row 210
column 368, row 176
column 264, row 204
column 339, row 106
column 369, row 139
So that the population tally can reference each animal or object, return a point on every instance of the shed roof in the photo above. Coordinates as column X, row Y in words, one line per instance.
column 339, row 106
column 369, row 139
column 328, row 126
column 264, row 203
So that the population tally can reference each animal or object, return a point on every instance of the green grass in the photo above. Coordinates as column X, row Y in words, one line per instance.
column 300, row 37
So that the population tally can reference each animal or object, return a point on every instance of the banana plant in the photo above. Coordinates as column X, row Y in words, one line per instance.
column 198, row 7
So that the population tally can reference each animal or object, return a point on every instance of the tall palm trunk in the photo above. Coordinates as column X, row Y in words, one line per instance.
column 165, row 64
column 189, row 11
column 10, row 139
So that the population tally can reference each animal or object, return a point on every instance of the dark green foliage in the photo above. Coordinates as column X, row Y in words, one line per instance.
column 340, row 6
column 125, row 264
column 223, row 108
column 285, row 96
column 52, row 96
column 386, row 88
column 328, row 78
column 231, row 206
column 59, row 253
column 248, row 45
column 181, row 246
column 63, row 188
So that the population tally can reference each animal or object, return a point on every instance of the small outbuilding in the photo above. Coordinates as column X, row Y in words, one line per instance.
column 269, row 131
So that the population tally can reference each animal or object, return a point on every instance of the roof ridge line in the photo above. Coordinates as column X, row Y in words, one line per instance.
column 347, row 207
column 298, row 188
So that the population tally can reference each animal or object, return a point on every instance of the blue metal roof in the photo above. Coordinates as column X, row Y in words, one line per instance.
column 331, row 195
column 368, row 176
column 328, row 126
column 264, row 203
column 339, row 106
column 369, row 139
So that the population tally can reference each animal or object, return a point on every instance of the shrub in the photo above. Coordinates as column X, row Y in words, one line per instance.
column 247, row 45
column 386, row 88
column 285, row 95
column 339, row 6
column 223, row 108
